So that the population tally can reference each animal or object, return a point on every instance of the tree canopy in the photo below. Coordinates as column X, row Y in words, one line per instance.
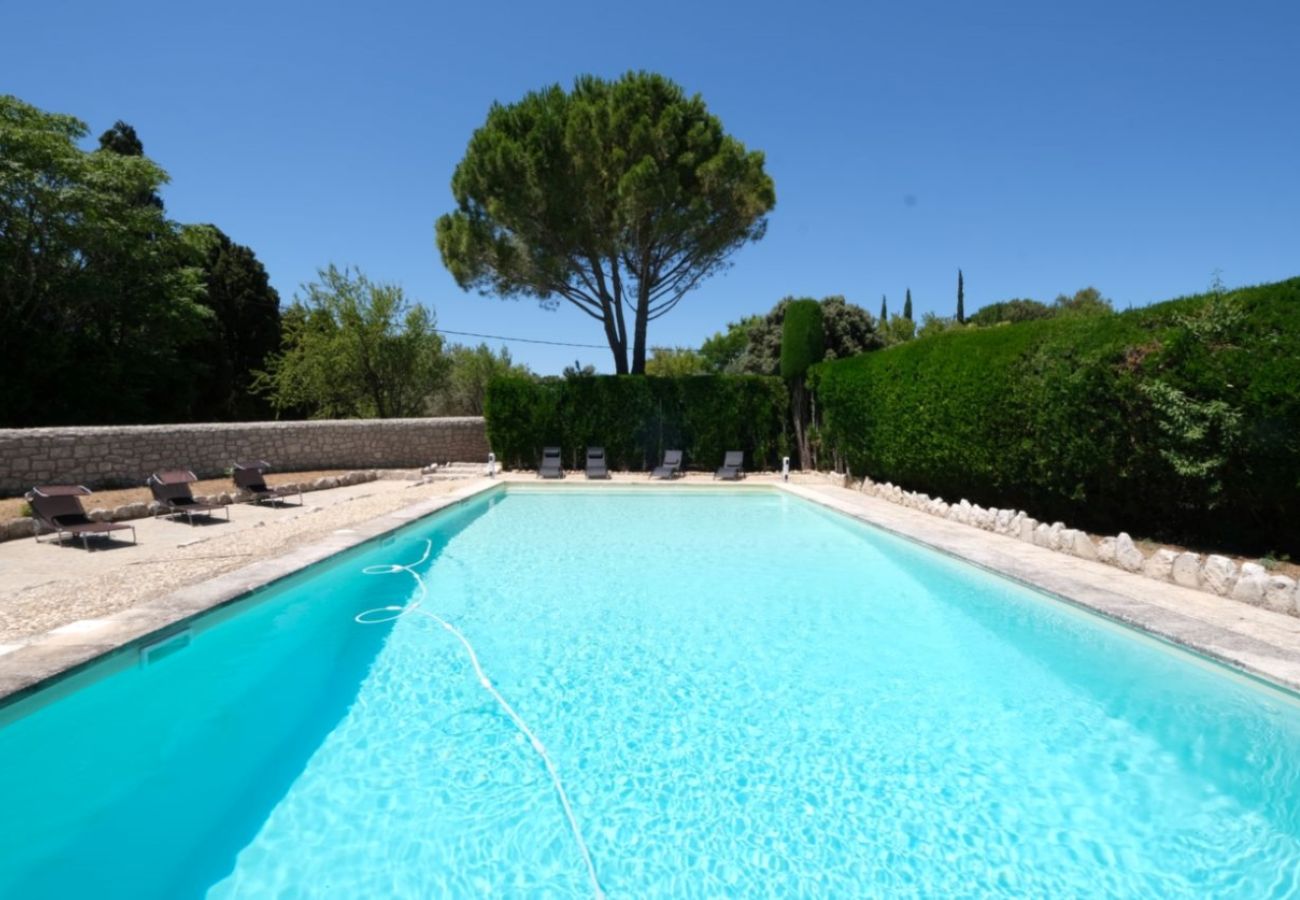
column 670, row 362
column 99, row 295
column 355, row 348
column 848, row 329
column 245, row 328
column 1017, row 310
column 618, row 197
column 472, row 369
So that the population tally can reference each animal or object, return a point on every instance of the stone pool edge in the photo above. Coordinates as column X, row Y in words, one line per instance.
column 70, row 649
column 1119, row 596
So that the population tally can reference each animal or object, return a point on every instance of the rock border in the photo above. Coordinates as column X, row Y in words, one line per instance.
column 1214, row 574
column 25, row 527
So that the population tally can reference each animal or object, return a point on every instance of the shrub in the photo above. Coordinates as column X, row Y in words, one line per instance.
column 635, row 418
column 1177, row 420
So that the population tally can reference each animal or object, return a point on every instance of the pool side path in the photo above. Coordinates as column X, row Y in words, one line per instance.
column 71, row 647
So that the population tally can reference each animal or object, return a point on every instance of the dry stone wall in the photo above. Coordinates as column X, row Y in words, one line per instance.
column 120, row 456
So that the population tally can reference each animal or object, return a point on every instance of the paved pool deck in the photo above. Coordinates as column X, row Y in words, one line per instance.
column 62, row 609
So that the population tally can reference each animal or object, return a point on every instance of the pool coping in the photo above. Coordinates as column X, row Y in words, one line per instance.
column 70, row 649
column 1202, row 627
column 1210, row 626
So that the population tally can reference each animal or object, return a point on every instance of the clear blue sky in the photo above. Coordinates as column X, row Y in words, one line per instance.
column 1041, row 147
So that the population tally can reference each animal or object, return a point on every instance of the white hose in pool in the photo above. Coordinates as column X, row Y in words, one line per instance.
column 390, row 613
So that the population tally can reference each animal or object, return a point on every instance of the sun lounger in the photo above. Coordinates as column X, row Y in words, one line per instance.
column 57, row 508
column 596, row 463
column 550, row 467
column 672, row 462
column 250, row 477
column 171, row 490
column 732, row 466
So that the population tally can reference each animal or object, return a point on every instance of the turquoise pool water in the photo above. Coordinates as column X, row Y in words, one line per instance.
column 742, row 695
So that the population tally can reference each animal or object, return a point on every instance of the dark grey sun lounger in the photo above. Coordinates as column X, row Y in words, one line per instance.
column 251, row 477
column 732, row 466
column 171, row 489
column 550, row 467
column 57, row 508
column 672, row 462
column 596, row 463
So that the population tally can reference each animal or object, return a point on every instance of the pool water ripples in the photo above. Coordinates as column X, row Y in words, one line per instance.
column 740, row 694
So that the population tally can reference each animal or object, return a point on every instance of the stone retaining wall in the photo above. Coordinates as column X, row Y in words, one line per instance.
column 122, row 456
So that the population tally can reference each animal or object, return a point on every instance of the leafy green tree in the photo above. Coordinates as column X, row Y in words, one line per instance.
column 1085, row 302
column 245, row 331
column 675, row 361
column 961, row 300
column 849, row 330
column 803, row 342
column 98, row 294
column 897, row 330
column 884, row 309
column 1017, row 310
column 723, row 351
column 619, row 197
column 932, row 324
column 122, row 140
column 355, row 348
column 472, row 369
column 907, row 306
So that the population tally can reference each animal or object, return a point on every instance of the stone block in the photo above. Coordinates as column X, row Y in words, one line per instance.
column 19, row 528
column 1042, row 535
column 1083, row 547
column 1186, row 569
column 1160, row 565
column 1250, row 585
column 1219, row 574
column 1280, row 594
column 1054, row 535
column 1127, row 555
column 1106, row 550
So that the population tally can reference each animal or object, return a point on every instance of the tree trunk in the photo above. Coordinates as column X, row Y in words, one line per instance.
column 798, row 400
column 639, row 332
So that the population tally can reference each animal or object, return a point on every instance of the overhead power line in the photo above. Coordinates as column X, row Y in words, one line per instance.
column 501, row 337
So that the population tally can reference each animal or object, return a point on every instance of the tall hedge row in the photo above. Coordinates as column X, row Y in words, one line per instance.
column 1180, row 420
column 635, row 418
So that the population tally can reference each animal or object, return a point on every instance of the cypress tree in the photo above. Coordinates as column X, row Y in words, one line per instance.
column 884, row 310
column 961, row 300
column 907, row 306
column 803, row 342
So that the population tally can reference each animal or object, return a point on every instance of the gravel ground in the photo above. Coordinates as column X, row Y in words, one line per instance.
column 46, row 586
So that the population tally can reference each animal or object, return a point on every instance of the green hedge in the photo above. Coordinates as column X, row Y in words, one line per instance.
column 1179, row 421
column 803, row 340
column 635, row 418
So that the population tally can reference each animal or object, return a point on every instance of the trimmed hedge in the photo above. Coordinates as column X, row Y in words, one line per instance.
column 803, row 340
column 636, row 417
column 1178, row 421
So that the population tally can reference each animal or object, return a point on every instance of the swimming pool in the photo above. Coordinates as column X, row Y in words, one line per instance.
column 740, row 692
